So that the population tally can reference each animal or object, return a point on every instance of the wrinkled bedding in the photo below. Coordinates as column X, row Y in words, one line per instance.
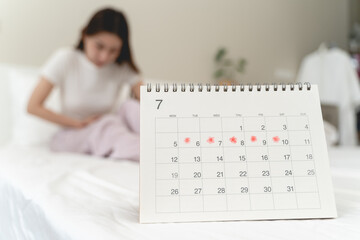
column 46, row 195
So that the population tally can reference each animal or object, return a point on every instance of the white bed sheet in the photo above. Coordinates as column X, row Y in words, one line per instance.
column 44, row 195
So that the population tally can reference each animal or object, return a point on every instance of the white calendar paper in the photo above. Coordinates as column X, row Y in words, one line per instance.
column 233, row 154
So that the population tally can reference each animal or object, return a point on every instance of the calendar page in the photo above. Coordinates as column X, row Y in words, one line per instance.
column 215, row 154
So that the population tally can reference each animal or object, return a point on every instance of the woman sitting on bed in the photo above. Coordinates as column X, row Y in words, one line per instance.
column 90, row 78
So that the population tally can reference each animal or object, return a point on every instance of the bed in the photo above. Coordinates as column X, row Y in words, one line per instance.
column 45, row 195
column 64, row 196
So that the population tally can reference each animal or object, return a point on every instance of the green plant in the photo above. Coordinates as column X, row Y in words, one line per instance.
column 227, row 68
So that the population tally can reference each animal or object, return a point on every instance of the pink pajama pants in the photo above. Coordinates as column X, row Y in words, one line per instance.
column 113, row 135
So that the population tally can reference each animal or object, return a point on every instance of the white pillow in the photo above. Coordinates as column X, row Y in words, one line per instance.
column 29, row 130
column 5, row 105
column 331, row 134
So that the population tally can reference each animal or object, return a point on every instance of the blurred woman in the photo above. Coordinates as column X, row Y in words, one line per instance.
column 90, row 78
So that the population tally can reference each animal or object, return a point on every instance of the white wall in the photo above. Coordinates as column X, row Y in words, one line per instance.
column 354, row 12
column 177, row 40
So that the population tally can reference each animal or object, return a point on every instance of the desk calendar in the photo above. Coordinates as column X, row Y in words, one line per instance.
column 219, row 153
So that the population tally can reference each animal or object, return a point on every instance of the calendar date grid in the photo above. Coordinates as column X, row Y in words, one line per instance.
column 246, row 143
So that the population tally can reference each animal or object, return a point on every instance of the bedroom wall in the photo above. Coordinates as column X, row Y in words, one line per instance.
column 177, row 40
column 354, row 12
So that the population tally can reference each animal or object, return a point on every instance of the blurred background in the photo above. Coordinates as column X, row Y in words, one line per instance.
column 177, row 40
column 241, row 41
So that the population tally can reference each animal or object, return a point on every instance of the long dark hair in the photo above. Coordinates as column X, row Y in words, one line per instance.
column 112, row 21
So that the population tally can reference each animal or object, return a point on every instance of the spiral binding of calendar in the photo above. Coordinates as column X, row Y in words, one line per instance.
column 233, row 87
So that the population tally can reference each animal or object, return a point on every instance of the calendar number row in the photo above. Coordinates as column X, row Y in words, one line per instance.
column 233, row 186
column 221, row 174
column 235, row 170
column 217, row 123
column 216, row 155
column 221, row 190
column 241, row 158
column 229, row 139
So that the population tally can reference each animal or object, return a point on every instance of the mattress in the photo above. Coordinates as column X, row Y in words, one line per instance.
column 45, row 195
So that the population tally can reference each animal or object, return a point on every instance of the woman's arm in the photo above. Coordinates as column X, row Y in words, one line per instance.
column 136, row 89
column 36, row 107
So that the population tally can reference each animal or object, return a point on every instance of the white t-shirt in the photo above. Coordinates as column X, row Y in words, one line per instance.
column 86, row 89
